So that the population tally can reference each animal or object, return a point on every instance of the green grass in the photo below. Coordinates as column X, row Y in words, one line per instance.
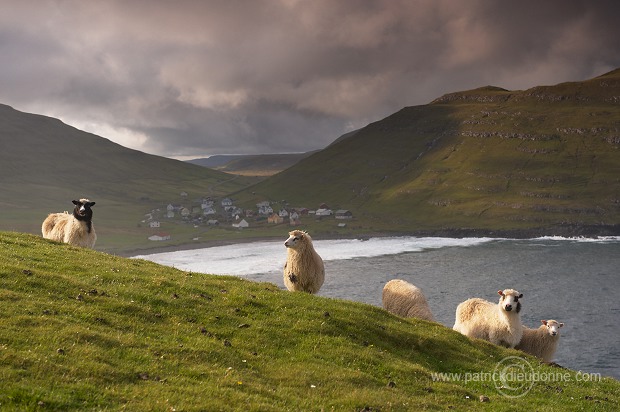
column 83, row 330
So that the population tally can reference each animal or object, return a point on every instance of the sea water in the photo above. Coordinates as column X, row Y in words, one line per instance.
column 575, row 281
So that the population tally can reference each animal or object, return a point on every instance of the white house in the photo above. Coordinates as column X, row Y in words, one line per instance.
column 324, row 212
column 227, row 202
column 159, row 237
column 241, row 224
column 208, row 211
column 154, row 223
column 265, row 210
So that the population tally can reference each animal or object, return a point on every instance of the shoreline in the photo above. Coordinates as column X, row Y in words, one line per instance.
column 567, row 231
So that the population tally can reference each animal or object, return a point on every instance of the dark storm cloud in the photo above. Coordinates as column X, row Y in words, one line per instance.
column 205, row 77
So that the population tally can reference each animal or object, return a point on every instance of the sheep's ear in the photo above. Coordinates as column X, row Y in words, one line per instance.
column 91, row 204
column 521, row 295
column 544, row 322
column 75, row 202
column 500, row 292
column 561, row 324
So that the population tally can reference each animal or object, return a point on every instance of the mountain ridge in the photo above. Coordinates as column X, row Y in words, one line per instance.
column 486, row 159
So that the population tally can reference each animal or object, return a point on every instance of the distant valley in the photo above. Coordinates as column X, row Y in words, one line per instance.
column 251, row 165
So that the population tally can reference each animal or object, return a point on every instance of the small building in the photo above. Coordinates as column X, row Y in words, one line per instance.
column 226, row 202
column 159, row 237
column 275, row 218
column 206, row 203
column 344, row 214
column 185, row 212
column 265, row 210
column 208, row 211
column 154, row 224
column 241, row 224
column 324, row 212
column 213, row 222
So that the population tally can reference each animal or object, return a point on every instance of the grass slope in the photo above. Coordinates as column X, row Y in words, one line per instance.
column 489, row 158
column 83, row 330
column 45, row 164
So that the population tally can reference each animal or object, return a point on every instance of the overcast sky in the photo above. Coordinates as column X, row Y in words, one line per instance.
column 192, row 78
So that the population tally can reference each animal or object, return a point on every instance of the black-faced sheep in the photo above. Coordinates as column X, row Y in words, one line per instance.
column 497, row 323
column 404, row 299
column 304, row 270
column 75, row 229
column 541, row 342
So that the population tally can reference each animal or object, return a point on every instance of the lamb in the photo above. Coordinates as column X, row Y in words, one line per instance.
column 541, row 342
column 405, row 299
column 499, row 323
column 304, row 269
column 75, row 229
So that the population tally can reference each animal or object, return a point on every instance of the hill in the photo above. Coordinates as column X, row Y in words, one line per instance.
column 45, row 164
column 83, row 330
column 251, row 165
column 541, row 161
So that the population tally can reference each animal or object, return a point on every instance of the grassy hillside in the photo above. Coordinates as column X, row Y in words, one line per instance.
column 546, row 158
column 83, row 330
column 45, row 164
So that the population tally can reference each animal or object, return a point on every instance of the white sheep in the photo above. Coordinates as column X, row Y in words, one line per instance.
column 541, row 342
column 498, row 323
column 405, row 299
column 75, row 229
column 304, row 269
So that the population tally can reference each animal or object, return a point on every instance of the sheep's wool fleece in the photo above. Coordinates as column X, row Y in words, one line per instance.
column 405, row 299
column 304, row 269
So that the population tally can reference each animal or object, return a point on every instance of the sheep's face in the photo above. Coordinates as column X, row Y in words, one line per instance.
column 82, row 209
column 509, row 300
column 553, row 327
column 295, row 239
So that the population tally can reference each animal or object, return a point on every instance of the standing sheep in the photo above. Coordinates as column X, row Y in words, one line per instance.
column 498, row 323
column 304, row 269
column 76, row 229
column 404, row 299
column 541, row 342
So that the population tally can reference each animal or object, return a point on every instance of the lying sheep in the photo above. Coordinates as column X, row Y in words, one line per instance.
column 404, row 299
column 541, row 342
column 75, row 229
column 304, row 269
column 498, row 323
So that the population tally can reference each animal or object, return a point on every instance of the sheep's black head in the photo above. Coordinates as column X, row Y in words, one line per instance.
column 82, row 210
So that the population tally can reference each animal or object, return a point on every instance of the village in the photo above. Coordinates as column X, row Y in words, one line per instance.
column 214, row 212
